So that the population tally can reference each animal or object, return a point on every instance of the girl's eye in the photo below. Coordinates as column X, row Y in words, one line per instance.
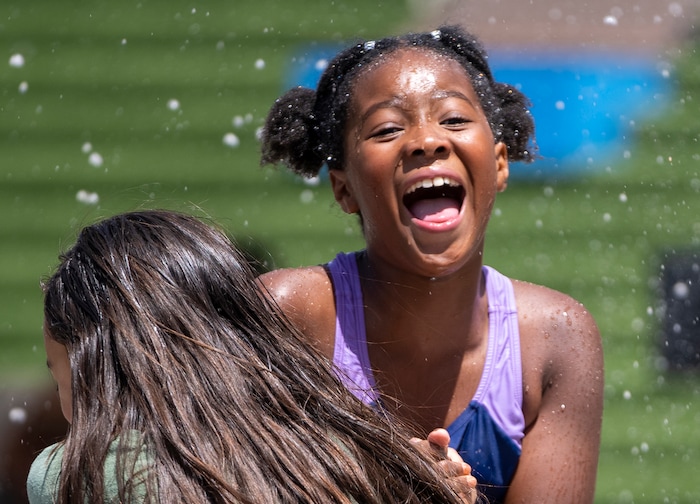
column 455, row 121
column 385, row 132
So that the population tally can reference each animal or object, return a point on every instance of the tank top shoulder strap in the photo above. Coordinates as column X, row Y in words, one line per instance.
column 501, row 387
column 350, row 354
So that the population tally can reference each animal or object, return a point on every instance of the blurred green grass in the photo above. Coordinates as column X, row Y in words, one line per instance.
column 102, row 74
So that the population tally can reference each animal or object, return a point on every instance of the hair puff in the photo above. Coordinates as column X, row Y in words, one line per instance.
column 513, row 124
column 290, row 133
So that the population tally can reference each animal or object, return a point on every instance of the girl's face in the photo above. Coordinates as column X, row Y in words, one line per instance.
column 421, row 165
column 59, row 365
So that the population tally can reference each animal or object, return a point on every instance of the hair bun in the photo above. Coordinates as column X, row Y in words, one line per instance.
column 290, row 133
column 518, row 131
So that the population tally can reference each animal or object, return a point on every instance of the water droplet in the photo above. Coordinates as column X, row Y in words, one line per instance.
column 18, row 415
column 238, row 121
column 321, row 65
column 95, row 159
column 231, row 140
column 16, row 60
column 675, row 9
column 306, row 196
column 86, row 197
column 312, row 181
column 681, row 290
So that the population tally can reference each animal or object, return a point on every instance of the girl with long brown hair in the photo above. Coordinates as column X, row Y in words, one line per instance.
column 183, row 383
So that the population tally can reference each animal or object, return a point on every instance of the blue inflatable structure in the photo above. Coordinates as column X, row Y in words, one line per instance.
column 585, row 104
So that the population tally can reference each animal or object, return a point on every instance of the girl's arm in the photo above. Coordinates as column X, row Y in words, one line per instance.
column 563, row 399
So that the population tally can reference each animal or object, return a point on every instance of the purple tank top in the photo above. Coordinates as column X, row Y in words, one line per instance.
column 489, row 432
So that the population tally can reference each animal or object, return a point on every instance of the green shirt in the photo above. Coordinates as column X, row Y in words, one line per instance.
column 42, row 481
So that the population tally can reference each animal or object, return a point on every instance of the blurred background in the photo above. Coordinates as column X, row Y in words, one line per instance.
column 114, row 106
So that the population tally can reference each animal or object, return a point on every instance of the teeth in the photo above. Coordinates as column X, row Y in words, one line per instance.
column 434, row 182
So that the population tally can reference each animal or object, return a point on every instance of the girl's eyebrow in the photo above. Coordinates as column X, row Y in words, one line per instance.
column 399, row 101
column 443, row 94
column 395, row 101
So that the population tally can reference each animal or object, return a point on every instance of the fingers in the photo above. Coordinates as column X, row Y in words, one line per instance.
column 439, row 438
column 459, row 472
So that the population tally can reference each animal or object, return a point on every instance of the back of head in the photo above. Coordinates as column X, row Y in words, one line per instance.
column 170, row 338
column 305, row 128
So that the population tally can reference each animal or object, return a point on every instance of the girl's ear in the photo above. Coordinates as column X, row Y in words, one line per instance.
column 502, row 172
column 343, row 192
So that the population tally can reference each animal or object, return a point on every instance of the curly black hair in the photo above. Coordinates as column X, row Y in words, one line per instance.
column 304, row 128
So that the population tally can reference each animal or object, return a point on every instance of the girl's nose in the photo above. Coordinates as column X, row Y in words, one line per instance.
column 428, row 142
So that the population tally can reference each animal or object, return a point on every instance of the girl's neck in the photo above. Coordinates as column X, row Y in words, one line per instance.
column 449, row 310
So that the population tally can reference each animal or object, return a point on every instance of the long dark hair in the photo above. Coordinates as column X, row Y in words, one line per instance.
column 170, row 338
column 305, row 128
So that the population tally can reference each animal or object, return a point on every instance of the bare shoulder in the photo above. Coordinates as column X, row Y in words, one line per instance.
column 551, row 313
column 306, row 297
column 561, row 347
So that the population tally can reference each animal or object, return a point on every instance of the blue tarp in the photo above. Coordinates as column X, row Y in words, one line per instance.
column 585, row 104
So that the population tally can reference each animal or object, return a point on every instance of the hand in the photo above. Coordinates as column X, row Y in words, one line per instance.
column 451, row 462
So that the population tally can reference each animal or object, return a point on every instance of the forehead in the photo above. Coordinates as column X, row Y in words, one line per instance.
column 409, row 70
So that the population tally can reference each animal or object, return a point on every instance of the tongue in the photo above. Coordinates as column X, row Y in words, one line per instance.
column 435, row 210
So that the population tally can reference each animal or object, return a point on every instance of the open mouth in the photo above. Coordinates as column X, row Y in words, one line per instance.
column 435, row 200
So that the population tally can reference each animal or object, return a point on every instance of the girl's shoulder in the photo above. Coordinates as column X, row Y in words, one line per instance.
column 306, row 297
column 561, row 349
column 549, row 311
column 42, row 480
